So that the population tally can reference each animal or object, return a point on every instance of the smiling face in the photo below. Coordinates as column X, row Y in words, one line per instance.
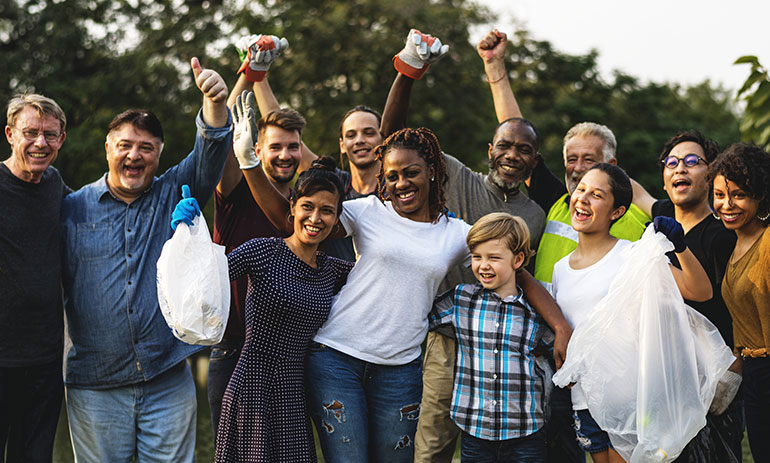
column 314, row 217
column 31, row 157
column 360, row 135
column 407, row 183
column 735, row 207
column 580, row 154
column 280, row 151
column 512, row 155
column 132, row 156
column 687, row 187
column 591, row 205
column 494, row 265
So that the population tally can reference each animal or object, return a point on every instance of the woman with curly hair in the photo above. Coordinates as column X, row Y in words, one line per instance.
column 364, row 369
column 739, row 177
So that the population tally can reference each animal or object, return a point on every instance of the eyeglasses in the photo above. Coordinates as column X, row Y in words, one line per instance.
column 690, row 160
column 33, row 135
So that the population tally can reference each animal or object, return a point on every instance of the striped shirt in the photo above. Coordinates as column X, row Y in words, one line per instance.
column 498, row 390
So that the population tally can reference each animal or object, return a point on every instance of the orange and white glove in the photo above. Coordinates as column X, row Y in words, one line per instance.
column 257, row 53
column 419, row 52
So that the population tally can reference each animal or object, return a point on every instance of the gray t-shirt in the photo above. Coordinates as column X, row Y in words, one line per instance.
column 470, row 195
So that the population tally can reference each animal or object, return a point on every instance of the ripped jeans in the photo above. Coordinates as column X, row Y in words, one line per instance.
column 363, row 411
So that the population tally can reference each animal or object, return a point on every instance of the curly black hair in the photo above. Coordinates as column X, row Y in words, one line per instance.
column 424, row 142
column 709, row 146
column 748, row 166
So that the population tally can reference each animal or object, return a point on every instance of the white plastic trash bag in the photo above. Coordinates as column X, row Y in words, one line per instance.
column 194, row 285
column 647, row 363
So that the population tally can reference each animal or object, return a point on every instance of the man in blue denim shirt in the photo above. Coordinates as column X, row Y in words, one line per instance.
column 129, row 390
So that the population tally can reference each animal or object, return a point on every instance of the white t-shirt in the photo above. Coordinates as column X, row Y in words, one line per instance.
column 578, row 291
column 381, row 314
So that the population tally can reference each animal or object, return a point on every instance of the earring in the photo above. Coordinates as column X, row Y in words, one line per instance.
column 715, row 215
column 763, row 217
column 433, row 179
column 290, row 218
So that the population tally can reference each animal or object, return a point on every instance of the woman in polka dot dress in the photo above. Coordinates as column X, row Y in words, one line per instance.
column 291, row 285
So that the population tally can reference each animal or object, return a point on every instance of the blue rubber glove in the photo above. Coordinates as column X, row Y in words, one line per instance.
column 673, row 231
column 186, row 210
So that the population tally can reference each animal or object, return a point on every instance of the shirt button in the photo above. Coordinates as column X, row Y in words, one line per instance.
column 497, row 324
column 129, row 256
column 494, row 402
column 494, row 376
column 129, row 230
column 495, row 351
column 129, row 284
column 130, row 310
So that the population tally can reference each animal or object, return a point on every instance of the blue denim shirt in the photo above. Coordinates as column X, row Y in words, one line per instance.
column 116, row 333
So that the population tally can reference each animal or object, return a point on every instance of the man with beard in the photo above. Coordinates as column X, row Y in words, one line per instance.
column 471, row 195
column 684, row 163
column 359, row 130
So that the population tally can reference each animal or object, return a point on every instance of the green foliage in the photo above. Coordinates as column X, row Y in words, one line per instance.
column 755, row 125
column 99, row 58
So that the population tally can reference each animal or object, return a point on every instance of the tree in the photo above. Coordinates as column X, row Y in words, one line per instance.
column 755, row 125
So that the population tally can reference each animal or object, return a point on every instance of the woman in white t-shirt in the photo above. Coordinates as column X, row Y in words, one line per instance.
column 582, row 278
column 364, row 370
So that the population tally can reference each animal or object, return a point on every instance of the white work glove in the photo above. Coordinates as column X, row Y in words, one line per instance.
column 727, row 387
column 419, row 52
column 257, row 53
column 245, row 130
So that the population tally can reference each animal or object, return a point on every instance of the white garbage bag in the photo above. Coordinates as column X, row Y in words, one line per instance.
column 194, row 285
column 646, row 361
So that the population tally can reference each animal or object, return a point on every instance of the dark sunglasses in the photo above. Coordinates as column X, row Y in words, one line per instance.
column 690, row 160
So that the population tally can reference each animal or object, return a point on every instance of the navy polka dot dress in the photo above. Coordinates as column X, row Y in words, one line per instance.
column 264, row 418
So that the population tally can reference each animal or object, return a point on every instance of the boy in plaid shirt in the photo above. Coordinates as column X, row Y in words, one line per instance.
column 499, row 389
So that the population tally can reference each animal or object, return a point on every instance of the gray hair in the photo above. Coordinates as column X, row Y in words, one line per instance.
column 592, row 129
column 43, row 105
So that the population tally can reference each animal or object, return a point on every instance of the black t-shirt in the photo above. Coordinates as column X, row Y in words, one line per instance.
column 712, row 245
column 31, row 314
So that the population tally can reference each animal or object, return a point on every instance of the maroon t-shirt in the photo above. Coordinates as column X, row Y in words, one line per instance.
column 237, row 219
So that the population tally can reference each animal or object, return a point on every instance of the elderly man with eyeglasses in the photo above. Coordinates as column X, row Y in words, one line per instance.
column 31, row 192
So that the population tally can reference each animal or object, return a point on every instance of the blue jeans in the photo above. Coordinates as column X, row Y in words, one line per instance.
column 30, row 403
column 363, row 411
column 756, row 401
column 154, row 420
column 222, row 361
column 590, row 436
column 527, row 449
column 562, row 442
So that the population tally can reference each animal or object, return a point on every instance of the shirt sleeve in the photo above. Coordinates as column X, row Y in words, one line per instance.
column 443, row 309
column 249, row 258
column 341, row 270
column 202, row 168
column 352, row 210
column 544, row 187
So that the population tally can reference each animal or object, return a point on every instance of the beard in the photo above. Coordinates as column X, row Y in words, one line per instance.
column 279, row 178
column 498, row 181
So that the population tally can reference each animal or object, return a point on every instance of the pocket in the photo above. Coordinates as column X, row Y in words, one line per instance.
column 93, row 241
column 222, row 353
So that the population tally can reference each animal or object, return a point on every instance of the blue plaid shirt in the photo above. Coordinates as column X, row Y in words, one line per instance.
column 498, row 391
column 116, row 333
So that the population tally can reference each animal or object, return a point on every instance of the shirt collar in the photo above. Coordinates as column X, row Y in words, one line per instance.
column 102, row 190
column 480, row 290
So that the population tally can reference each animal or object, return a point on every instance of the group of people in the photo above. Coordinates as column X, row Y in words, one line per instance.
column 337, row 280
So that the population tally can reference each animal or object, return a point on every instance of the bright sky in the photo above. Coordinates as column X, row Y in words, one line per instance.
column 682, row 41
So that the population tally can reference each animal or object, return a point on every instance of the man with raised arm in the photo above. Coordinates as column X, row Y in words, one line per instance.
column 31, row 192
column 129, row 390
column 472, row 195
column 360, row 130
column 585, row 144
column 684, row 164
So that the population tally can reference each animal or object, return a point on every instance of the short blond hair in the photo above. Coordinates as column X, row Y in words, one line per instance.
column 499, row 225
column 42, row 104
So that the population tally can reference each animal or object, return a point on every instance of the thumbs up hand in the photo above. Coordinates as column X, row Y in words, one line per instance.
column 209, row 82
